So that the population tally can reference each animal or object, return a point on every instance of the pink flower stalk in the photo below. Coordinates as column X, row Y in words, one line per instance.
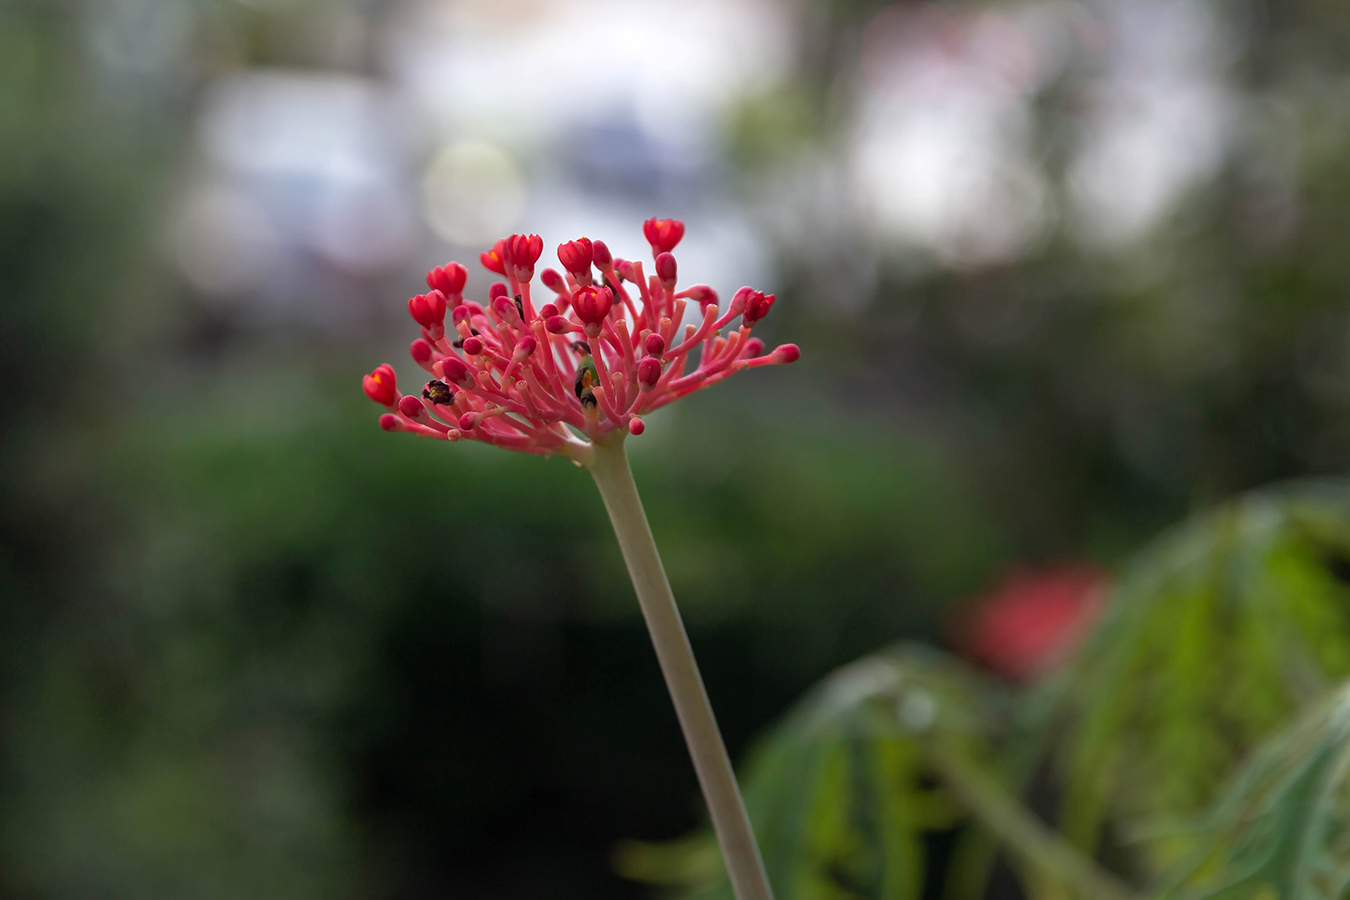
column 585, row 366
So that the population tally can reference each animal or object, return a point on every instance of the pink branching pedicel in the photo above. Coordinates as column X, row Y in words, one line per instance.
column 587, row 364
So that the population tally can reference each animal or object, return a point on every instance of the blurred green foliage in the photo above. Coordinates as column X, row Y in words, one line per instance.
column 1218, row 635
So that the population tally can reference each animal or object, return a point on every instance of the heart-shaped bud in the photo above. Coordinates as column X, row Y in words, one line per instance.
column 428, row 310
column 592, row 305
column 557, row 325
column 655, row 345
column 601, row 256
column 662, row 234
column 458, row 372
column 494, row 260
column 665, row 271
column 525, row 250
column 448, row 279
column 473, row 346
column 381, row 385
column 553, row 281
column 648, row 372
column 576, row 257
column 757, row 306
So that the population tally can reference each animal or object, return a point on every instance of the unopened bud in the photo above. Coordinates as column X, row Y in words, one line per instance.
column 390, row 422
column 655, row 345
column 421, row 352
column 601, row 256
column 458, row 372
column 753, row 348
column 557, row 325
column 411, row 407
column 665, row 270
column 757, row 305
column 553, row 281
column 473, row 346
column 547, row 311
column 635, row 426
column 498, row 289
column 787, row 353
column 648, row 372
column 525, row 349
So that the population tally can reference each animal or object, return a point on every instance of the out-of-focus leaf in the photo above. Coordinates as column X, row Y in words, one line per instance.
column 1282, row 830
column 838, row 792
column 1221, row 631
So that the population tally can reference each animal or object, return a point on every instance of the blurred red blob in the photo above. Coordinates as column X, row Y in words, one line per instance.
column 1033, row 621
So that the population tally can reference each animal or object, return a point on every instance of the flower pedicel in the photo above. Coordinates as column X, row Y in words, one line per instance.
column 574, row 377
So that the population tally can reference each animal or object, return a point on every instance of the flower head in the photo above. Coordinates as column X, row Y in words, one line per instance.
column 582, row 368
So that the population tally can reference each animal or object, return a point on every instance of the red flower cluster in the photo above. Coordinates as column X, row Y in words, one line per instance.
column 581, row 367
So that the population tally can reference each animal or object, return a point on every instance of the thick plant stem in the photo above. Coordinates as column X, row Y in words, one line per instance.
column 610, row 469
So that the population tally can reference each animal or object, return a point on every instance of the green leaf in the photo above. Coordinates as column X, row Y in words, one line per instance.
column 1220, row 632
column 839, row 792
column 1282, row 830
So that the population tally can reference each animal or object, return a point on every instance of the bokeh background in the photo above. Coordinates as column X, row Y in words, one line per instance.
column 1062, row 272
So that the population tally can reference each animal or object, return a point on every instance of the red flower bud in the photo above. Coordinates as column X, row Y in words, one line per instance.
column 428, row 310
column 600, row 255
column 458, row 372
column 554, row 282
column 462, row 312
column 381, row 385
column 525, row 349
column 626, row 270
column 655, row 345
column 557, row 325
column 787, row 353
column 665, row 271
column 547, row 311
column 390, row 422
column 635, row 426
column 498, row 289
column 411, row 407
column 663, row 234
column 468, row 422
column 757, row 306
column 576, row 256
column 753, row 348
column 592, row 305
column 448, row 279
column 473, row 346
column 648, row 372
column 421, row 352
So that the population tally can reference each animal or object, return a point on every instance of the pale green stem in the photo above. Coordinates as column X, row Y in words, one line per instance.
column 1037, row 844
column 609, row 467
